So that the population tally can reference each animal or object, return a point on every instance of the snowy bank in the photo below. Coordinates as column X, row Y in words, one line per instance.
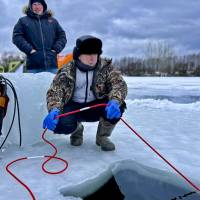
column 172, row 127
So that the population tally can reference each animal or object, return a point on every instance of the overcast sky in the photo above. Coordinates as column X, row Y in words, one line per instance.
column 125, row 26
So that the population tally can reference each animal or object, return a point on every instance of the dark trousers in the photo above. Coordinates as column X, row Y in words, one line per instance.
column 68, row 124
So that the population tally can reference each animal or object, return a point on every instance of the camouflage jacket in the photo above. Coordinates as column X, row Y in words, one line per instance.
column 107, row 83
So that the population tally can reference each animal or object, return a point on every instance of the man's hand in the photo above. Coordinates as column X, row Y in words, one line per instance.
column 50, row 120
column 32, row 51
column 113, row 110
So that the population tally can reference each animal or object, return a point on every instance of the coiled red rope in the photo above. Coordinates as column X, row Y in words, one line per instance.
column 66, row 164
column 53, row 156
column 43, row 165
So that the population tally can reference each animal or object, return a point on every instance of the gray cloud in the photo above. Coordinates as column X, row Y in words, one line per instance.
column 125, row 26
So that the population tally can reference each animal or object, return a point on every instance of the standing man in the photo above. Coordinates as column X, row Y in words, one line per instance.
column 87, row 80
column 40, row 37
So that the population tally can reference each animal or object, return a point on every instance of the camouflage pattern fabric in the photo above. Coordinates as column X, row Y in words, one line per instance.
column 107, row 83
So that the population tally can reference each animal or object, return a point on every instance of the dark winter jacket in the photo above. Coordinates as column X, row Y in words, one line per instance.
column 107, row 83
column 42, row 33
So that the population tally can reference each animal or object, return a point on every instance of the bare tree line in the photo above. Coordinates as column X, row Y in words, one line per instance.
column 160, row 60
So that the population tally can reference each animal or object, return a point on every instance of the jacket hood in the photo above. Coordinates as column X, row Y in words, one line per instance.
column 40, row 1
column 27, row 9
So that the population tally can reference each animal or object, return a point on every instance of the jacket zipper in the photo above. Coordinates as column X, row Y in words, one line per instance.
column 86, row 91
column 94, row 82
column 42, row 37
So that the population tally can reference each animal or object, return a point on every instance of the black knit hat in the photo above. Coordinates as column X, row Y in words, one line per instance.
column 39, row 1
column 87, row 44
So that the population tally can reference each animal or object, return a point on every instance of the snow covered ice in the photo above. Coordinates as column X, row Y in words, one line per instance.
column 165, row 111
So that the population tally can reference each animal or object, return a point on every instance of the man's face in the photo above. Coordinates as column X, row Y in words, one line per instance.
column 37, row 8
column 89, row 59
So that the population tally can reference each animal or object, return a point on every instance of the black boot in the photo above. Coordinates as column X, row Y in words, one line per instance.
column 104, row 130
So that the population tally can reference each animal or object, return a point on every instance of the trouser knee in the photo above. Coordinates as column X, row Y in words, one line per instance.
column 65, row 128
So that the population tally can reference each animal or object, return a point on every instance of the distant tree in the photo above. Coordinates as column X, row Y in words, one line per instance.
column 159, row 56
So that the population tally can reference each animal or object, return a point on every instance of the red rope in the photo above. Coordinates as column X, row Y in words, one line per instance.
column 66, row 164
column 43, row 165
column 52, row 157
column 82, row 109
column 152, row 148
column 13, row 175
column 49, row 157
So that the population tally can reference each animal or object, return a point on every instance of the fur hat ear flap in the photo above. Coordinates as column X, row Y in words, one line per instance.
column 76, row 53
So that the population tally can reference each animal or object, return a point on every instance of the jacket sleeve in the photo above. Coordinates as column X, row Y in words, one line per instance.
column 19, row 38
column 61, row 40
column 56, row 92
column 116, row 83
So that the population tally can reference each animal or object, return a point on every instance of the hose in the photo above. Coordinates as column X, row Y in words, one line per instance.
column 16, row 106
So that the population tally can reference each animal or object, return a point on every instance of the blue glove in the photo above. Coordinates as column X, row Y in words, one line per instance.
column 50, row 122
column 113, row 110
